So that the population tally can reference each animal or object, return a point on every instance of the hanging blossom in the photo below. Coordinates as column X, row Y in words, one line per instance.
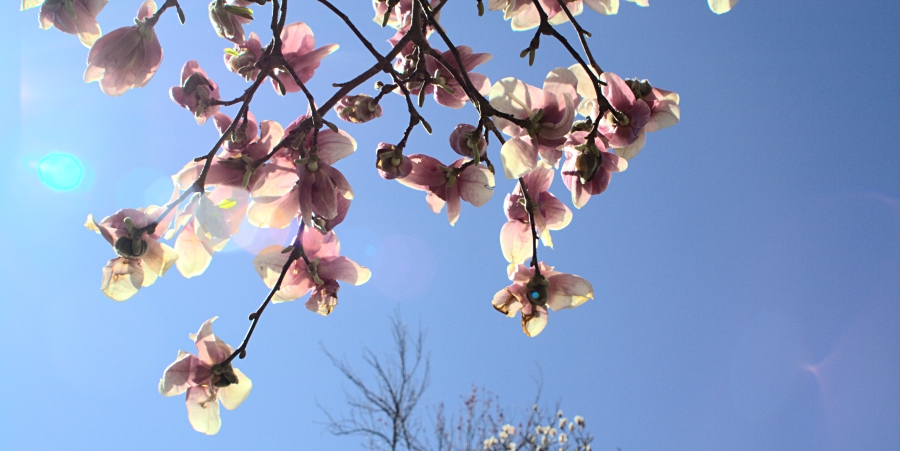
column 196, row 92
column 228, row 18
column 243, row 57
column 142, row 258
column 639, row 108
column 525, row 15
column 549, row 112
column 235, row 168
column 206, row 379
column 448, row 184
column 78, row 17
column 588, row 168
column 535, row 294
column 326, row 267
column 297, row 47
column 301, row 180
column 127, row 57
column 445, row 87
column 549, row 214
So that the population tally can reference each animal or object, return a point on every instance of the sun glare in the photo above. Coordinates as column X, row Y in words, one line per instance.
column 60, row 171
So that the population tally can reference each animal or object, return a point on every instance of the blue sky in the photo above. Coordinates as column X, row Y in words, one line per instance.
column 746, row 266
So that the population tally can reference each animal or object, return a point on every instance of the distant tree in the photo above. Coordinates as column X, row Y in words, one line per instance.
column 385, row 411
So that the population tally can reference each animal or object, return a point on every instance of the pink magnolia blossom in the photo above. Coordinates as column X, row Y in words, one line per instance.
column 549, row 214
column 243, row 135
column 391, row 162
column 297, row 47
column 78, row 17
column 207, row 379
column 525, row 15
column 235, row 169
column 449, row 184
column 303, row 181
column 643, row 3
column 463, row 141
column 243, row 57
column 588, row 167
column 662, row 105
column 126, row 57
column 142, row 258
column 207, row 223
column 228, row 18
column 195, row 92
column 445, row 87
column 664, row 113
column 535, row 294
column 721, row 6
column 550, row 113
column 358, row 109
column 325, row 268
column 622, row 126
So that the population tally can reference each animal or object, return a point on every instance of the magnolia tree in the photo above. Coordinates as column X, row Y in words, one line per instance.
column 584, row 122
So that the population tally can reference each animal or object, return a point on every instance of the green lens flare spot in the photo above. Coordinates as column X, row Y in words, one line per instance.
column 60, row 171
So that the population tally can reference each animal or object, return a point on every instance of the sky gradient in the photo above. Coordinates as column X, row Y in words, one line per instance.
column 746, row 266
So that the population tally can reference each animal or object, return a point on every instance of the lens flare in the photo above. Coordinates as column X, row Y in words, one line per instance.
column 60, row 171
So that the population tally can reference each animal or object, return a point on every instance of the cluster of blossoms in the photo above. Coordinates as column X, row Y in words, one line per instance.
column 557, row 434
column 275, row 176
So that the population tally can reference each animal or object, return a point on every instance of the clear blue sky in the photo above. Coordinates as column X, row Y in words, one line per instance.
column 746, row 265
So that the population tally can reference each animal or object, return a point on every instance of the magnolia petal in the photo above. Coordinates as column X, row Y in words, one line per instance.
column 516, row 242
column 268, row 264
column 519, row 157
column 556, row 214
column 210, row 218
column 344, row 269
column 515, row 97
column 435, row 203
column 159, row 258
column 210, row 349
column 274, row 212
column 476, row 185
column 194, row 256
column 721, row 6
column 630, row 151
column 665, row 115
column 568, row 291
column 334, row 146
column 122, row 278
column 320, row 245
column 453, row 203
column 28, row 4
column 506, row 302
column 177, row 376
column 233, row 395
column 203, row 413
column 534, row 323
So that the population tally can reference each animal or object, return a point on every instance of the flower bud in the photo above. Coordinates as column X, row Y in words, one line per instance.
column 358, row 109
column 464, row 139
column 391, row 162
